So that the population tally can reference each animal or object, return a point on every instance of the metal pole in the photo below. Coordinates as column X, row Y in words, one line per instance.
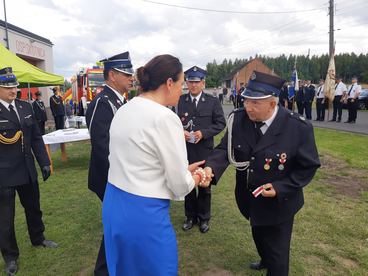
column 6, row 28
column 331, row 42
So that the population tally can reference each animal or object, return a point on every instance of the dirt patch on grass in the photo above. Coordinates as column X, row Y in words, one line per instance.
column 345, row 262
column 342, row 177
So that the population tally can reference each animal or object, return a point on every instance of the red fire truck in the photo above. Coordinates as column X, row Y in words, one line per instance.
column 90, row 82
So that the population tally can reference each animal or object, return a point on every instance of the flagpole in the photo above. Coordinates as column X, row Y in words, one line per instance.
column 6, row 27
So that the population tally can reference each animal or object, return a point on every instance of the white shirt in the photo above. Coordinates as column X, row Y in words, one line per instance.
column 120, row 97
column 355, row 89
column 148, row 155
column 269, row 121
column 196, row 97
column 320, row 93
column 340, row 88
column 6, row 104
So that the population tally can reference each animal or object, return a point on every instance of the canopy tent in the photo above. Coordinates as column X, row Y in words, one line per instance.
column 27, row 74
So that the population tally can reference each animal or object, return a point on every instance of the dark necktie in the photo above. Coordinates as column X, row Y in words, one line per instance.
column 194, row 103
column 351, row 88
column 13, row 114
column 258, row 132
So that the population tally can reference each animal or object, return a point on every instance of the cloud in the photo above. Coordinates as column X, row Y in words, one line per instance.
column 86, row 31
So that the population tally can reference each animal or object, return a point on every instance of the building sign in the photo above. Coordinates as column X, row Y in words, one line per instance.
column 29, row 50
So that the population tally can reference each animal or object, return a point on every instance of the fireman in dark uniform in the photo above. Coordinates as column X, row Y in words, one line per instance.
column 275, row 155
column 118, row 75
column 202, row 117
column 40, row 112
column 57, row 108
column 20, row 139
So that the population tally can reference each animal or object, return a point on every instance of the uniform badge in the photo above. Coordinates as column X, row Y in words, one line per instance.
column 267, row 165
column 282, row 161
column 118, row 101
column 186, row 114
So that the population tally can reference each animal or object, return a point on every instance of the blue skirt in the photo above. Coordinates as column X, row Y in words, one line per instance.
column 139, row 237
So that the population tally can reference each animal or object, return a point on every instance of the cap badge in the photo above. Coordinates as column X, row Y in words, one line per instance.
column 253, row 76
column 195, row 69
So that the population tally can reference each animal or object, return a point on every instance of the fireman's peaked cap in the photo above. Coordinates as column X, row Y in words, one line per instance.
column 120, row 62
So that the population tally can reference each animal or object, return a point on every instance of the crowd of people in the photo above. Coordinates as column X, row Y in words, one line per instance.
column 307, row 94
column 139, row 163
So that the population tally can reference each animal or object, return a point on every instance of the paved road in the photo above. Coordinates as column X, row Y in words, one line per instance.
column 361, row 125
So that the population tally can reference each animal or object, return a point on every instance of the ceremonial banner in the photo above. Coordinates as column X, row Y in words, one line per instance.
column 294, row 85
column 329, row 88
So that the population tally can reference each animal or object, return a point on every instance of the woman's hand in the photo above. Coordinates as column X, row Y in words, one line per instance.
column 192, row 167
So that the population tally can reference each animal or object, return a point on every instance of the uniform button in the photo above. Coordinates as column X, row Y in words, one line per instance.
column 252, row 158
column 239, row 146
column 193, row 117
column 251, row 170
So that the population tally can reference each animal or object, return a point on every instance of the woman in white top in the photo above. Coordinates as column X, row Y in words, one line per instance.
column 148, row 168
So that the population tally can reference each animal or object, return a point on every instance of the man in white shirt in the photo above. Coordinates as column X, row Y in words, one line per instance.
column 320, row 101
column 352, row 100
column 340, row 91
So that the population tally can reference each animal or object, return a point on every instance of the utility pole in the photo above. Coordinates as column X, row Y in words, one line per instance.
column 331, row 42
column 6, row 28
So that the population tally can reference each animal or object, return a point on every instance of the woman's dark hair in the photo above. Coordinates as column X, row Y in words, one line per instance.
column 157, row 71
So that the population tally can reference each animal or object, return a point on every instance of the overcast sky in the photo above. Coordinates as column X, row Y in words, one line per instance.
column 85, row 31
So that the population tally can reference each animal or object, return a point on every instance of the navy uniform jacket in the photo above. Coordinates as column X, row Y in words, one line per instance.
column 39, row 111
column 208, row 117
column 309, row 93
column 57, row 106
column 108, row 104
column 288, row 134
column 299, row 95
column 17, row 166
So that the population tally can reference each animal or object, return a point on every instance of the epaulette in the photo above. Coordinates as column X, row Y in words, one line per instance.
column 237, row 110
column 298, row 117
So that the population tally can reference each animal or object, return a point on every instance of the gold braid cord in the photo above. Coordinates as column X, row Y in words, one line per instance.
column 13, row 140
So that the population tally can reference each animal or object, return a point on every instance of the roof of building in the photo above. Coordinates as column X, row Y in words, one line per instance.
column 24, row 32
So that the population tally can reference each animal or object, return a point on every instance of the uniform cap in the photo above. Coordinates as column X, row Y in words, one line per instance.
column 7, row 78
column 195, row 74
column 261, row 86
column 120, row 62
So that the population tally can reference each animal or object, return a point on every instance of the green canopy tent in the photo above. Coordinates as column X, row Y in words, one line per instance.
column 27, row 74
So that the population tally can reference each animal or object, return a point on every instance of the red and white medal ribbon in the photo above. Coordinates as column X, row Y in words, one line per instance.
column 258, row 191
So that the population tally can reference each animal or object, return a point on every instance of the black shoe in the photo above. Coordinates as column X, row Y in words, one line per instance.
column 48, row 244
column 333, row 120
column 11, row 268
column 352, row 122
column 347, row 122
column 204, row 226
column 188, row 224
column 338, row 121
column 257, row 266
column 316, row 119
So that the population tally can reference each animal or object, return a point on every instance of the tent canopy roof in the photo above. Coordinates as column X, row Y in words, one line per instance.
column 26, row 73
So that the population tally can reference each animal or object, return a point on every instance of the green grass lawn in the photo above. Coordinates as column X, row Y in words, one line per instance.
column 330, row 233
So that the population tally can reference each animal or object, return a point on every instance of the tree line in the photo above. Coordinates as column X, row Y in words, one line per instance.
column 313, row 68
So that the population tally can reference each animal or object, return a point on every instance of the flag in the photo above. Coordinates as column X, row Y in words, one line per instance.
column 294, row 85
column 329, row 88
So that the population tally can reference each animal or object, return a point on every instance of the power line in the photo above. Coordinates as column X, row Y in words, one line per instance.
column 230, row 11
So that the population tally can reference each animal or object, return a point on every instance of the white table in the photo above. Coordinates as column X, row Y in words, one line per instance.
column 63, row 136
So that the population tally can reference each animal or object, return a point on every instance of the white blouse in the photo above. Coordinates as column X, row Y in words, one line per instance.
column 148, row 156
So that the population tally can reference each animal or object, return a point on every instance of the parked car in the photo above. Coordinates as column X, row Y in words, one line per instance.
column 363, row 99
